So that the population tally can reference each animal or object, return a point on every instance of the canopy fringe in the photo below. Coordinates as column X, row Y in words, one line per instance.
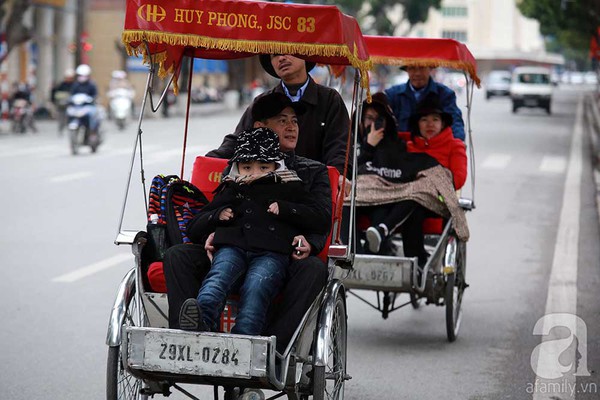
column 131, row 37
column 429, row 62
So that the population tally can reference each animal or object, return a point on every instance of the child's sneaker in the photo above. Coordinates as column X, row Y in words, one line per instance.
column 190, row 316
column 374, row 238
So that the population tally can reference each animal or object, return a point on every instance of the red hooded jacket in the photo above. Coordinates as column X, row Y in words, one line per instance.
column 447, row 150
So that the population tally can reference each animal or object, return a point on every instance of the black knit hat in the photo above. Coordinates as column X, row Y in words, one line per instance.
column 265, row 61
column 272, row 104
column 258, row 144
column 428, row 105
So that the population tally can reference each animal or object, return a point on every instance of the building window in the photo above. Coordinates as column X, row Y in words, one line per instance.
column 454, row 11
column 461, row 36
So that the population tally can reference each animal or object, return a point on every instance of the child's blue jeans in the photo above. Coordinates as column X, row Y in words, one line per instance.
column 261, row 276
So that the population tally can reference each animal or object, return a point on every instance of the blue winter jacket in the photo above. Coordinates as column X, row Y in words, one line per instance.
column 403, row 102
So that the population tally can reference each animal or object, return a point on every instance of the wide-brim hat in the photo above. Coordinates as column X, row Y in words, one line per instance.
column 429, row 105
column 257, row 144
column 270, row 105
column 265, row 61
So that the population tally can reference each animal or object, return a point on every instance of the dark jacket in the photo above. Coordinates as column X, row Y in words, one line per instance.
column 88, row 87
column 323, row 128
column 403, row 102
column 252, row 227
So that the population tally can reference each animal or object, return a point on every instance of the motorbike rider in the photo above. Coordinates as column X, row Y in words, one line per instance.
column 120, row 87
column 84, row 84
column 60, row 97
column 21, row 99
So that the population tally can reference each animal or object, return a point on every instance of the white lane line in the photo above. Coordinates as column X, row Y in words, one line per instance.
column 553, row 164
column 29, row 151
column 562, row 287
column 70, row 177
column 496, row 161
column 93, row 268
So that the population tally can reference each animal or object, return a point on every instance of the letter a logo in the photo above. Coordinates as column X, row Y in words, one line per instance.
column 545, row 358
column 151, row 13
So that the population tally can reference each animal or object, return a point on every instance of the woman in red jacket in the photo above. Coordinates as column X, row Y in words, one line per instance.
column 431, row 134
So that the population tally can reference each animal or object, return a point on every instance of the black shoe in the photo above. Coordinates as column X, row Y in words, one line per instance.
column 190, row 317
column 374, row 237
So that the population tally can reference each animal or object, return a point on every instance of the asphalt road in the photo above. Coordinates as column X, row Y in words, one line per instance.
column 61, row 268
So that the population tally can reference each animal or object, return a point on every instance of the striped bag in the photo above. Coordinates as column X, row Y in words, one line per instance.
column 173, row 202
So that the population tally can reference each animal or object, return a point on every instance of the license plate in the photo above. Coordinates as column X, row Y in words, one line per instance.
column 531, row 102
column 377, row 273
column 197, row 354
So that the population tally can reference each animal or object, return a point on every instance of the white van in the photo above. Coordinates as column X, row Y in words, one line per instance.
column 531, row 87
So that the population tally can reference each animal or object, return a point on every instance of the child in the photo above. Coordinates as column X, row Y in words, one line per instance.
column 431, row 134
column 256, row 214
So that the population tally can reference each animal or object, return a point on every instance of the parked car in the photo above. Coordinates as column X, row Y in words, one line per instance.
column 531, row 87
column 497, row 84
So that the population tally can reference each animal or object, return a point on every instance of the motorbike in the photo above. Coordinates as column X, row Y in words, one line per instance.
column 20, row 114
column 120, row 106
column 83, row 118
column 62, row 102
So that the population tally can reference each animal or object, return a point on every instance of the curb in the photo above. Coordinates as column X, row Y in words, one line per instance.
column 592, row 117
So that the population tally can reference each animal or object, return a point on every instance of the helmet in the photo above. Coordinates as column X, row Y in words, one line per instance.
column 119, row 74
column 83, row 70
column 69, row 73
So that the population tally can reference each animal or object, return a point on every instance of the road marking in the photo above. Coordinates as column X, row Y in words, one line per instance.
column 70, row 177
column 29, row 151
column 92, row 268
column 496, row 161
column 562, row 287
column 553, row 164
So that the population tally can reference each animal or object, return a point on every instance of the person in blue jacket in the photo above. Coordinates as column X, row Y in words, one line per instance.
column 404, row 98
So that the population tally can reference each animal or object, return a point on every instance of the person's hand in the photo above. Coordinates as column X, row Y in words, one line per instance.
column 274, row 208
column 226, row 214
column 348, row 186
column 302, row 251
column 208, row 246
column 375, row 135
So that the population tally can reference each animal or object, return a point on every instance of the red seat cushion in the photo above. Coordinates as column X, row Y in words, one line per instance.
column 156, row 277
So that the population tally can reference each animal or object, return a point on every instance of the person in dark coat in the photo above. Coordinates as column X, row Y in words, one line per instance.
column 324, row 125
column 185, row 266
column 257, row 215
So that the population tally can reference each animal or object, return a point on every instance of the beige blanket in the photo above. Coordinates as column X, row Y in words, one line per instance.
column 432, row 188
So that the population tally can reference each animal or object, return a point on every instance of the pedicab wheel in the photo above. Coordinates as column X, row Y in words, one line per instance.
column 328, row 380
column 120, row 384
column 455, row 287
column 74, row 141
column 415, row 300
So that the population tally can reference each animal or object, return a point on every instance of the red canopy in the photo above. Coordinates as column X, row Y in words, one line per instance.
column 422, row 51
column 226, row 29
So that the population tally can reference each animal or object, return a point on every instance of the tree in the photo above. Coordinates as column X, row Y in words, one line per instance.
column 567, row 24
column 13, row 30
column 413, row 12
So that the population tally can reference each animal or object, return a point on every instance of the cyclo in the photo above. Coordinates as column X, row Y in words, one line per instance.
column 144, row 357
column 442, row 280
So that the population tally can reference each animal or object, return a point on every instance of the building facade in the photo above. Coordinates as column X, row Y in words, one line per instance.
column 495, row 31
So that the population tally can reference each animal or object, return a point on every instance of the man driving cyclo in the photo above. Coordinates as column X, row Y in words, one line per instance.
column 186, row 266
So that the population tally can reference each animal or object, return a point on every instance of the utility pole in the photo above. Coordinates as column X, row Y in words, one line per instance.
column 81, row 6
